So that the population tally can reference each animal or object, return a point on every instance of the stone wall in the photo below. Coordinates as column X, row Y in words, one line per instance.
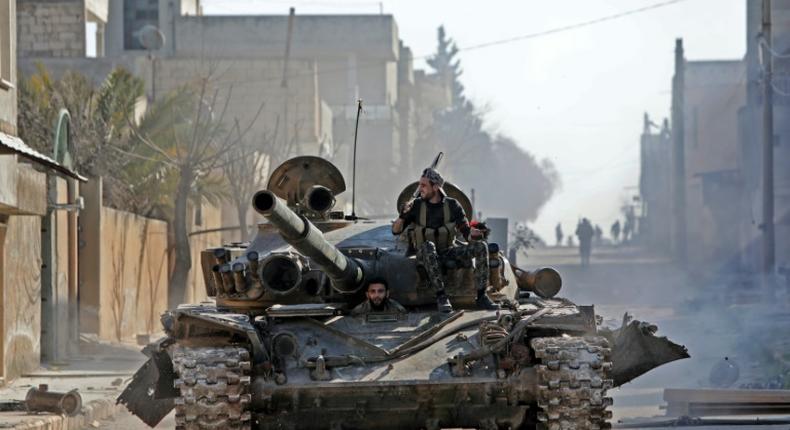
column 51, row 28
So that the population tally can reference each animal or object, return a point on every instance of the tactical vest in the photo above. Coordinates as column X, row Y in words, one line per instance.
column 443, row 237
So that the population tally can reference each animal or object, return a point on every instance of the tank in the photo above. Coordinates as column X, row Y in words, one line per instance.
column 277, row 347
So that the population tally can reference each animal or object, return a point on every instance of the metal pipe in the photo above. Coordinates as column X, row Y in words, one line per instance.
column 42, row 400
column 228, row 284
column 73, row 274
column 238, row 277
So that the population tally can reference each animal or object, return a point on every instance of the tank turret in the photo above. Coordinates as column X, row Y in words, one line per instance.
column 345, row 273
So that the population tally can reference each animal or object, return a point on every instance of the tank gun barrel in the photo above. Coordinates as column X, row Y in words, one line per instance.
column 346, row 273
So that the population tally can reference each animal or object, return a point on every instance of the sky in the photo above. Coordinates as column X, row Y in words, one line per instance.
column 575, row 97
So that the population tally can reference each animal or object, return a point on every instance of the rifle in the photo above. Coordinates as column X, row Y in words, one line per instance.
column 433, row 165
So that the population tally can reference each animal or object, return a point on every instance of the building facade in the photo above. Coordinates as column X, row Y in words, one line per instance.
column 719, row 129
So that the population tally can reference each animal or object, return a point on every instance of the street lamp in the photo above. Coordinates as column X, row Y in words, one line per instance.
column 152, row 39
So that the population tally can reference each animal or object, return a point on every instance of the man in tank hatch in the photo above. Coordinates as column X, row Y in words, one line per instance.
column 437, row 219
column 378, row 300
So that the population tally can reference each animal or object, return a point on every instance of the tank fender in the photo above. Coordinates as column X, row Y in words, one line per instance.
column 636, row 349
column 151, row 406
column 239, row 323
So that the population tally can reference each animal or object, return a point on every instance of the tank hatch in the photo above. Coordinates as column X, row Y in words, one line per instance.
column 450, row 189
column 307, row 182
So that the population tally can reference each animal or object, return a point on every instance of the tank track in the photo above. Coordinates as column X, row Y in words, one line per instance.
column 214, row 383
column 572, row 383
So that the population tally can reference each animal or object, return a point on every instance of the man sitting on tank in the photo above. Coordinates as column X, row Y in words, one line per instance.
column 437, row 219
column 378, row 300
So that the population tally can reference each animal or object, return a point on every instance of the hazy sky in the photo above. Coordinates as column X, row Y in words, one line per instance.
column 577, row 97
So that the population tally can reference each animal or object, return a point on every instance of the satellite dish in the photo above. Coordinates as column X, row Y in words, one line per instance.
column 151, row 37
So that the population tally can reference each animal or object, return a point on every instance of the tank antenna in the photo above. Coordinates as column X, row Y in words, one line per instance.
column 354, row 164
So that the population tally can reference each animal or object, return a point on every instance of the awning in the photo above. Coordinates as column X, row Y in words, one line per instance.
column 13, row 145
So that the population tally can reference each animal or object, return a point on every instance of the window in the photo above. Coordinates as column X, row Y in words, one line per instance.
column 136, row 15
column 5, row 44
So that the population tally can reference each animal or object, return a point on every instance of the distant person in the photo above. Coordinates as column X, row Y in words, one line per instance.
column 585, row 232
column 615, row 230
column 570, row 242
column 627, row 230
column 558, row 234
column 598, row 234
column 378, row 300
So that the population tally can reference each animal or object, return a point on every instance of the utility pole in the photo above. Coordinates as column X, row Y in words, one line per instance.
column 679, row 155
column 768, row 144
column 284, row 82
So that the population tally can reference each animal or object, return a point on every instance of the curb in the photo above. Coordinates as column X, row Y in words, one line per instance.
column 93, row 411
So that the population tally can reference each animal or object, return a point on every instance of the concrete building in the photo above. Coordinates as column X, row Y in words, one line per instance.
column 750, row 136
column 714, row 91
column 60, row 28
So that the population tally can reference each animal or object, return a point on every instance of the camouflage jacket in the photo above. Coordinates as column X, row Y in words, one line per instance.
column 390, row 305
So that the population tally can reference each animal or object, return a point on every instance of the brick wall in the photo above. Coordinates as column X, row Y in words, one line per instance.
column 51, row 28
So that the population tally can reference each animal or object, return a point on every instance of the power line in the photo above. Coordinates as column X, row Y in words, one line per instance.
column 513, row 39
column 574, row 26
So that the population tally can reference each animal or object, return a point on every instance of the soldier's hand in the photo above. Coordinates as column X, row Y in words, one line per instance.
column 407, row 207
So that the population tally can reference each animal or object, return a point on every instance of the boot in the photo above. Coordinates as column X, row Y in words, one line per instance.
column 483, row 302
column 443, row 303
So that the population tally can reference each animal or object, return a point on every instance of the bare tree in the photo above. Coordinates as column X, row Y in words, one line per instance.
column 245, row 172
column 192, row 149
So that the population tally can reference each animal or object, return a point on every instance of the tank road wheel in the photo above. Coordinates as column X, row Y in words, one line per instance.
column 572, row 383
column 214, row 383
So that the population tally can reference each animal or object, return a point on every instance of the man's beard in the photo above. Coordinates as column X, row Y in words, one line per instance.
column 378, row 307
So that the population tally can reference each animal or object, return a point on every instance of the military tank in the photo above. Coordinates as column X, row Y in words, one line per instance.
column 278, row 348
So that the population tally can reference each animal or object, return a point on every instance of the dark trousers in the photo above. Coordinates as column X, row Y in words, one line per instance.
column 432, row 261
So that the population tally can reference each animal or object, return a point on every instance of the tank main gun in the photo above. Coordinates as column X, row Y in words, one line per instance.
column 345, row 273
